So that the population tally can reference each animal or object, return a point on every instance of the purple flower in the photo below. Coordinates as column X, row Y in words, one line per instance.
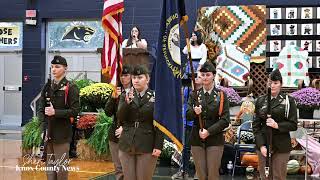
column 307, row 97
column 232, row 95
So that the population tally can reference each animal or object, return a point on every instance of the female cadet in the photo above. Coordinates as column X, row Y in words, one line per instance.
column 207, row 144
column 111, row 110
column 282, row 120
column 141, row 142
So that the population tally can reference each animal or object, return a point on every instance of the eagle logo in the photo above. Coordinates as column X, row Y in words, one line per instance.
column 79, row 33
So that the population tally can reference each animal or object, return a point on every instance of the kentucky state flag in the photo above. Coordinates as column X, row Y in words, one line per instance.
column 168, row 103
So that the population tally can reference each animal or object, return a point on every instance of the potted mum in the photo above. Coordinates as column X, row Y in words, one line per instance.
column 232, row 95
column 307, row 100
column 95, row 96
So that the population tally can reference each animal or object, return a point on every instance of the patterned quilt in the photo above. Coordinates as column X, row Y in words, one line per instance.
column 293, row 65
column 233, row 64
column 243, row 26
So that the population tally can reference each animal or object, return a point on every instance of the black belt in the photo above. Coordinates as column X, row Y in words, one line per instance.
column 138, row 124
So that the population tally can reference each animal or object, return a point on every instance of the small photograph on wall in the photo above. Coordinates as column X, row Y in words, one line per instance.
column 318, row 62
column 275, row 45
column 273, row 61
column 291, row 13
column 318, row 12
column 306, row 13
column 291, row 29
column 306, row 29
column 318, row 45
column 275, row 29
column 309, row 61
column 291, row 42
column 275, row 13
column 306, row 45
column 318, row 29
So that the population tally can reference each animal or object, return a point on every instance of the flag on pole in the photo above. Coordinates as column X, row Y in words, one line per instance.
column 168, row 103
column 111, row 56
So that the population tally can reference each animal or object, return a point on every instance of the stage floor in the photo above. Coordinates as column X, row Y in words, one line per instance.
column 11, row 160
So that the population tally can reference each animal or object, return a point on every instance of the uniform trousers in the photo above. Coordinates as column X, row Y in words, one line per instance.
column 114, row 149
column 58, row 157
column 207, row 161
column 279, row 165
column 137, row 166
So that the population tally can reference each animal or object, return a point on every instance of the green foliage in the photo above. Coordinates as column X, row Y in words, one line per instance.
column 167, row 150
column 31, row 135
column 83, row 83
column 99, row 138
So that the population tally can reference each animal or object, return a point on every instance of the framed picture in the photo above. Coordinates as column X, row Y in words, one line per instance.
column 318, row 12
column 306, row 45
column 306, row 13
column 275, row 45
column 317, row 45
column 273, row 61
column 275, row 29
column 318, row 29
column 291, row 42
column 275, row 13
column 309, row 61
column 306, row 29
column 318, row 62
column 291, row 29
column 291, row 13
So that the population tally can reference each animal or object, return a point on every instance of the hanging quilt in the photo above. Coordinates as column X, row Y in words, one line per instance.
column 293, row 65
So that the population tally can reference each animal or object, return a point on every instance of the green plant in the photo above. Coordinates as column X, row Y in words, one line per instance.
column 167, row 150
column 99, row 138
column 31, row 135
column 83, row 83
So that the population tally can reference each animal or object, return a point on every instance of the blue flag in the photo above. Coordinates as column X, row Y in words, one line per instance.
column 167, row 72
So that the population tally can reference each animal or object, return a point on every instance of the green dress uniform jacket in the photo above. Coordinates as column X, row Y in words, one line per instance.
column 281, row 141
column 139, row 135
column 210, row 109
column 61, row 131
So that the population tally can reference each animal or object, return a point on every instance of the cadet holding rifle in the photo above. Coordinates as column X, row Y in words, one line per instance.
column 282, row 119
column 63, row 100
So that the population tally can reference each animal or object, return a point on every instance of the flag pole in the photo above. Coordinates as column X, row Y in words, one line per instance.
column 186, row 33
column 118, row 66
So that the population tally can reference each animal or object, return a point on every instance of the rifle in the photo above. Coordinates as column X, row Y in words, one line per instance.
column 47, row 132
column 268, row 167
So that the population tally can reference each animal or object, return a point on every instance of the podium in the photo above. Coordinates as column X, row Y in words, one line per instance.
column 137, row 56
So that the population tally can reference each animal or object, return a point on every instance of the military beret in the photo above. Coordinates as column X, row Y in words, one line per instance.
column 126, row 69
column 276, row 75
column 140, row 69
column 59, row 60
column 208, row 67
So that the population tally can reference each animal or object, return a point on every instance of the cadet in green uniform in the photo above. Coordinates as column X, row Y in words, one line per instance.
column 141, row 142
column 64, row 106
column 111, row 110
column 283, row 120
column 207, row 145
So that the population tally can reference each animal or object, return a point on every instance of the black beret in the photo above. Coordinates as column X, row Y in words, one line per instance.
column 208, row 67
column 276, row 75
column 126, row 69
column 59, row 60
column 140, row 69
